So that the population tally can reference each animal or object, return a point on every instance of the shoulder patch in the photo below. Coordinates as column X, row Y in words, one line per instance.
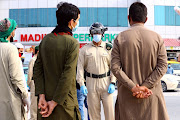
column 108, row 46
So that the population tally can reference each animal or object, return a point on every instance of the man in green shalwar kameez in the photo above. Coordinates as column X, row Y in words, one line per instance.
column 55, row 68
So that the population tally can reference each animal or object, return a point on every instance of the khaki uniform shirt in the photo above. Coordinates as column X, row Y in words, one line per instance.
column 95, row 60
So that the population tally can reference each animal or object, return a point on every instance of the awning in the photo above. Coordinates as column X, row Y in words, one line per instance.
column 172, row 42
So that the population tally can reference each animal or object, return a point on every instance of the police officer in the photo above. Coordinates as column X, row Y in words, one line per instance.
column 95, row 58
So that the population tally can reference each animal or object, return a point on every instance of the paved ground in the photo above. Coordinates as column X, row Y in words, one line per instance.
column 173, row 104
column 172, row 99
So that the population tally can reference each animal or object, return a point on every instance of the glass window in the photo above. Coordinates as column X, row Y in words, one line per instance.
column 46, row 17
column 32, row 17
column 177, row 19
column 102, row 16
column 92, row 16
column 170, row 15
column 52, row 21
column 112, row 17
column 42, row 17
column 83, row 17
column 23, row 16
column 122, row 17
column 159, row 15
column 13, row 14
column 175, row 66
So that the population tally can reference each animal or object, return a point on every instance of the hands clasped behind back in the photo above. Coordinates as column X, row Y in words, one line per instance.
column 46, row 107
column 141, row 92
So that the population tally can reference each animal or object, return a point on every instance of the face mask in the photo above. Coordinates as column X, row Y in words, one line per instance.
column 20, row 54
column 75, row 28
column 169, row 66
column 97, row 38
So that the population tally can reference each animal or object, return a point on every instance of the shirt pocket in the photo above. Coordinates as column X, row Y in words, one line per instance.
column 89, row 54
column 105, row 57
column 89, row 57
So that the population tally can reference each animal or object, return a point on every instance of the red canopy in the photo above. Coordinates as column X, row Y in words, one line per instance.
column 171, row 42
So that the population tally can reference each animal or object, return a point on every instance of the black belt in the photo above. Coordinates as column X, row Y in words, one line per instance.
column 98, row 76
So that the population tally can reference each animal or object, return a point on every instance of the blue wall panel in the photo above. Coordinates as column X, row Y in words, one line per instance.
column 32, row 17
column 52, row 21
column 92, row 16
column 159, row 15
column 83, row 17
column 14, row 14
column 170, row 15
column 23, row 15
column 177, row 19
column 112, row 17
column 46, row 17
column 122, row 17
column 103, row 16
column 42, row 17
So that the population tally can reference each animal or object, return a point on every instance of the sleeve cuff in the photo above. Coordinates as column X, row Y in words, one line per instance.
column 113, row 80
column 24, row 95
column 131, row 85
column 146, row 85
column 81, row 84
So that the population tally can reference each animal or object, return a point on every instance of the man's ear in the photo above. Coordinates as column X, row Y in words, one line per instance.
column 71, row 22
column 146, row 19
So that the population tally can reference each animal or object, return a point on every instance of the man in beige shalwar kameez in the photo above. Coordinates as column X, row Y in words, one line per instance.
column 30, row 82
column 139, row 58
column 12, row 90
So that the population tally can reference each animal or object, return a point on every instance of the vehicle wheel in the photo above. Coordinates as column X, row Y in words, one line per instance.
column 164, row 86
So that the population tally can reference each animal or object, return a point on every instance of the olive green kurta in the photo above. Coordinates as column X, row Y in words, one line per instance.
column 139, row 57
column 55, row 75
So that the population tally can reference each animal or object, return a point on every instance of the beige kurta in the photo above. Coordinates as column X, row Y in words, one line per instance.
column 33, row 106
column 96, row 60
column 11, row 106
column 139, row 57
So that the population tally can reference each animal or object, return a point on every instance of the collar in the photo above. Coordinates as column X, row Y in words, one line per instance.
column 62, row 29
column 63, row 33
column 4, row 40
column 137, row 24
column 101, row 45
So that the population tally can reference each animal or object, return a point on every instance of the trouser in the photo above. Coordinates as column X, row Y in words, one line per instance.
column 82, row 100
column 33, row 106
column 97, row 92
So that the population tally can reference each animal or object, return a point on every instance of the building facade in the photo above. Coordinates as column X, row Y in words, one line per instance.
column 36, row 18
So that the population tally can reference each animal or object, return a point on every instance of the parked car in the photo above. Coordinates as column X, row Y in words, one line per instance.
column 170, row 82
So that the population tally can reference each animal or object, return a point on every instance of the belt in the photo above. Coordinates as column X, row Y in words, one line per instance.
column 98, row 76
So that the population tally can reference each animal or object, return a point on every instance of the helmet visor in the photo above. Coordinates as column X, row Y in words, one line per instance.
column 96, row 31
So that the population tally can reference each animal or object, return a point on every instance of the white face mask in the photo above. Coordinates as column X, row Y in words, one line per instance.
column 75, row 28
column 97, row 38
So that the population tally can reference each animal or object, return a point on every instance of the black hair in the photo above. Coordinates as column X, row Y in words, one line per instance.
column 138, row 12
column 36, row 51
column 66, row 12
